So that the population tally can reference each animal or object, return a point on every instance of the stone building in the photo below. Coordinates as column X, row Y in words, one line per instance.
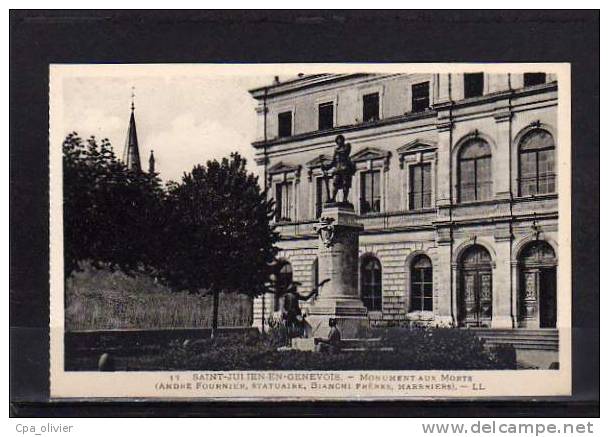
column 455, row 186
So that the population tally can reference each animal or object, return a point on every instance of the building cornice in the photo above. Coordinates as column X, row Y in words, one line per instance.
column 497, row 96
column 417, row 145
column 300, row 83
column 280, row 167
column 431, row 113
column 503, row 219
column 345, row 129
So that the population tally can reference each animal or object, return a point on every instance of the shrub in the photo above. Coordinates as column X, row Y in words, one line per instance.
column 504, row 356
column 438, row 348
column 413, row 349
column 277, row 335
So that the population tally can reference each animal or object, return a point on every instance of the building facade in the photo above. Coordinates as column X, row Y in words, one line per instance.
column 455, row 185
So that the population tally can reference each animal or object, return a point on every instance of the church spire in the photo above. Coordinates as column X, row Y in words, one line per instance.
column 151, row 163
column 131, row 155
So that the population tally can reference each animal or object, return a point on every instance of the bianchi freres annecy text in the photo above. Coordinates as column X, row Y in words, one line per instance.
column 324, row 381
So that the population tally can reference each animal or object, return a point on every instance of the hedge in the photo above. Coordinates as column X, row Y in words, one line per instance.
column 413, row 349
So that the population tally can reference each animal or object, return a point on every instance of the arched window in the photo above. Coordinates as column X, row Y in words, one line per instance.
column 474, row 171
column 421, row 284
column 284, row 279
column 536, row 163
column 371, row 286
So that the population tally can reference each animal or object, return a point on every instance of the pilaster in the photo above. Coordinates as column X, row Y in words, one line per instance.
column 503, row 316
column 442, row 92
column 444, row 126
column 444, row 277
column 502, row 155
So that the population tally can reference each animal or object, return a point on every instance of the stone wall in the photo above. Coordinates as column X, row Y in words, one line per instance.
column 395, row 251
column 503, row 224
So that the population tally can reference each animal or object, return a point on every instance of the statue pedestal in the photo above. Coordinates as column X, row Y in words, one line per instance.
column 338, row 260
column 304, row 344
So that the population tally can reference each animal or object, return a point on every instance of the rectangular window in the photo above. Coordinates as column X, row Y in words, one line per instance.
column 372, row 285
column 528, row 174
column 483, row 179
column 475, row 179
column 284, row 124
column 420, row 186
column 370, row 192
column 537, row 172
column 371, row 107
column 420, row 97
column 422, row 289
column 322, row 194
column 547, row 179
column 326, row 116
column 468, row 181
column 283, row 201
column 428, row 290
column 473, row 84
column 531, row 79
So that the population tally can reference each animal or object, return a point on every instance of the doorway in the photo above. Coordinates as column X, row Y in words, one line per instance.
column 537, row 297
column 476, row 290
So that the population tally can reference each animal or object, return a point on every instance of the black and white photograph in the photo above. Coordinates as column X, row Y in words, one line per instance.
column 302, row 230
column 304, row 213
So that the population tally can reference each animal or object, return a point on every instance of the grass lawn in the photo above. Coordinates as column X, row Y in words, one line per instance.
column 104, row 299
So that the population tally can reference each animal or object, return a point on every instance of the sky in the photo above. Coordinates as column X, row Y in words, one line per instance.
column 186, row 113
column 186, row 120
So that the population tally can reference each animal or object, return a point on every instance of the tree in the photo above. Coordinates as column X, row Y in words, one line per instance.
column 112, row 215
column 217, row 235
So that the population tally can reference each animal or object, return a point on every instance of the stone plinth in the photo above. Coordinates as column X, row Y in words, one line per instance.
column 304, row 344
column 338, row 260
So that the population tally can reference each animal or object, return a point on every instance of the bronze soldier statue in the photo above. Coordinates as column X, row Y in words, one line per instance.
column 344, row 169
column 291, row 312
